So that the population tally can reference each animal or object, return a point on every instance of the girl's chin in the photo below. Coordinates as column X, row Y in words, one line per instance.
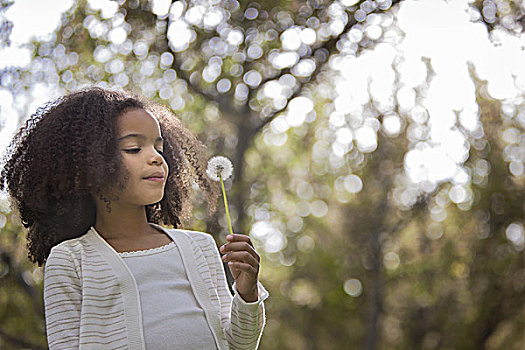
column 142, row 198
column 151, row 203
column 153, row 200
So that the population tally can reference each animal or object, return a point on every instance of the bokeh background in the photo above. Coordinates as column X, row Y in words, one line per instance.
column 378, row 149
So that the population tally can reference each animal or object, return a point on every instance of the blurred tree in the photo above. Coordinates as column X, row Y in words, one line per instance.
column 340, row 217
column 460, row 281
column 239, row 63
column 354, row 253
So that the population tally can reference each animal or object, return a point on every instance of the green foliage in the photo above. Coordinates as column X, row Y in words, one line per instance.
column 21, row 304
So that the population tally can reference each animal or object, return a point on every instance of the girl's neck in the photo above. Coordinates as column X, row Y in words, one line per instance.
column 122, row 223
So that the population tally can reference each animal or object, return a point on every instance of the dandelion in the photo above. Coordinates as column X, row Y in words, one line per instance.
column 219, row 169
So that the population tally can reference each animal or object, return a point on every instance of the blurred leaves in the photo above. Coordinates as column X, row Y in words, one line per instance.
column 506, row 14
column 6, row 26
column 21, row 304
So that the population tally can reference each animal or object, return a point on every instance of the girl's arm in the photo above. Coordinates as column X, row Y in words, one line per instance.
column 62, row 300
column 242, row 322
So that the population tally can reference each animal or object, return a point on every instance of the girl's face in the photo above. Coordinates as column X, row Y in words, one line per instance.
column 141, row 147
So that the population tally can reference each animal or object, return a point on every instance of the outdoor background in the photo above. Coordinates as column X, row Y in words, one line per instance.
column 378, row 149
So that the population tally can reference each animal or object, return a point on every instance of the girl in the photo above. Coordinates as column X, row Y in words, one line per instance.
column 94, row 174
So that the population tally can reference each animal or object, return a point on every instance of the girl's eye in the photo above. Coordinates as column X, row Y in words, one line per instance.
column 137, row 150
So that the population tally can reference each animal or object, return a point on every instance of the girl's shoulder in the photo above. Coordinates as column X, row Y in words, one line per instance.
column 68, row 252
column 72, row 243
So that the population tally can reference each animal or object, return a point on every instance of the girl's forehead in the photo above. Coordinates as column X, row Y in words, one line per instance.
column 137, row 120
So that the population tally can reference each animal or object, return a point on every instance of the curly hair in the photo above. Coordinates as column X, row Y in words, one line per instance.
column 68, row 150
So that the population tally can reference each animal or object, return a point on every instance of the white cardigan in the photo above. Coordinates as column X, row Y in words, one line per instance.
column 92, row 301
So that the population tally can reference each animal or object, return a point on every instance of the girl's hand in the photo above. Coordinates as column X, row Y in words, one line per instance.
column 243, row 261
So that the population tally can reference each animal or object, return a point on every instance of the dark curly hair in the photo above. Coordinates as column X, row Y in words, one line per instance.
column 68, row 149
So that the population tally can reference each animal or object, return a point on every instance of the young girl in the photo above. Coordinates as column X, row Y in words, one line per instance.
column 94, row 174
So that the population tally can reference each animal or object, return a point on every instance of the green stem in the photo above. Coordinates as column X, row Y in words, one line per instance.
column 226, row 206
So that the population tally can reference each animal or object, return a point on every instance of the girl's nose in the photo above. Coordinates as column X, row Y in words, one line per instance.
column 156, row 158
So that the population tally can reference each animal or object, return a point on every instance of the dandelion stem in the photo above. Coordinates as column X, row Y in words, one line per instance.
column 226, row 206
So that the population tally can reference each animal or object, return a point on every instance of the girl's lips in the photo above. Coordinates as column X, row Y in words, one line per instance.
column 157, row 176
column 155, row 179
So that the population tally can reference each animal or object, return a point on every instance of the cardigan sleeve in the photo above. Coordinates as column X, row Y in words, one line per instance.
column 62, row 299
column 242, row 322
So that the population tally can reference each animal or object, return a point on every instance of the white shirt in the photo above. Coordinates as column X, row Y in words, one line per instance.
column 171, row 315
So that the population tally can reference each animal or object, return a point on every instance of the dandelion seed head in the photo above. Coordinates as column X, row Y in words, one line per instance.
column 219, row 167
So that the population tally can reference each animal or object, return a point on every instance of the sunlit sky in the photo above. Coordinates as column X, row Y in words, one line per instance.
column 439, row 30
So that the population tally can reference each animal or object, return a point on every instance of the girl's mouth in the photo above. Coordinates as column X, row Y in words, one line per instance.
column 157, row 176
column 155, row 179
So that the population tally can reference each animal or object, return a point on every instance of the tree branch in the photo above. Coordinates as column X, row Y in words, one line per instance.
column 323, row 49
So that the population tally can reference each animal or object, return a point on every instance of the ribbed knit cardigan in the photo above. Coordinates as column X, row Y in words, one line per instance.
column 92, row 300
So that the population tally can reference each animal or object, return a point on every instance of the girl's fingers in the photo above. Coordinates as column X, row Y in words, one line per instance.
column 242, row 256
column 243, row 267
column 239, row 247
column 237, row 237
